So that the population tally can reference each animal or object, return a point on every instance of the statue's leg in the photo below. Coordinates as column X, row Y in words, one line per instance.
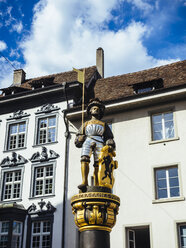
column 96, row 168
column 85, row 160
column 96, row 153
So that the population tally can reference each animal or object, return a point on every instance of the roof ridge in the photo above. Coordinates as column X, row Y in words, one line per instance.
column 55, row 74
column 141, row 71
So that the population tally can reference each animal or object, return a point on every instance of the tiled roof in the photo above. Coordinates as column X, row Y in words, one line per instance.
column 68, row 76
column 113, row 88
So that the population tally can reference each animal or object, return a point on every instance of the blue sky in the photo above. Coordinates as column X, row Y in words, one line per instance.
column 50, row 36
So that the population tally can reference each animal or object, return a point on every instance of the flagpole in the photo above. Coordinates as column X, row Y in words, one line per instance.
column 81, row 79
column 83, row 99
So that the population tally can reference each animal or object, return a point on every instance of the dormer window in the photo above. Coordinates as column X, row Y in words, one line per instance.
column 147, row 86
column 144, row 90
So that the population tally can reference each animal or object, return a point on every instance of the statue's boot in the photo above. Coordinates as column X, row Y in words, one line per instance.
column 84, row 172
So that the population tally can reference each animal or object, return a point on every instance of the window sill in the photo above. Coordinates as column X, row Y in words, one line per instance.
column 41, row 197
column 11, row 201
column 45, row 144
column 16, row 149
column 165, row 200
column 163, row 141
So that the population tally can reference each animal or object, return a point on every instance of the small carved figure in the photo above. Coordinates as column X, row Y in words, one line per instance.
column 92, row 137
column 44, row 155
column 14, row 158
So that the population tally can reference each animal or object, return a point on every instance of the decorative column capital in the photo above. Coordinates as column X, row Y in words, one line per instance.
column 95, row 210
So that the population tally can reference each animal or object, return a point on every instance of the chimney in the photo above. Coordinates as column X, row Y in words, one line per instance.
column 100, row 61
column 19, row 76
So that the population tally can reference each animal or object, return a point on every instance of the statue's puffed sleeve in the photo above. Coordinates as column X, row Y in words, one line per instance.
column 80, row 137
column 108, row 137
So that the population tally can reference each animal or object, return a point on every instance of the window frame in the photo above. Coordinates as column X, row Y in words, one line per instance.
column 3, row 172
column 11, row 214
column 20, row 235
column 159, row 112
column 33, row 181
column 168, row 199
column 36, row 135
column 178, row 224
column 4, row 233
column 41, row 233
column 33, row 218
column 7, row 134
column 134, row 227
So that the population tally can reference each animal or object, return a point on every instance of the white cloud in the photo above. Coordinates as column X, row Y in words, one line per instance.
column 142, row 5
column 66, row 34
column 14, row 53
column 3, row 45
column 17, row 27
column 10, row 21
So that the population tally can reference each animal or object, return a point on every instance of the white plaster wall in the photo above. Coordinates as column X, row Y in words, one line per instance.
column 57, row 199
column 134, row 177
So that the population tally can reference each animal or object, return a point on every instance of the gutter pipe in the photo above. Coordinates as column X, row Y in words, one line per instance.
column 65, row 189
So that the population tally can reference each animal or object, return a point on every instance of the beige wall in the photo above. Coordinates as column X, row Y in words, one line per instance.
column 134, row 177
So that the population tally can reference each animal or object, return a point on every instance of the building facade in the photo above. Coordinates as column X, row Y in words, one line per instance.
column 40, row 165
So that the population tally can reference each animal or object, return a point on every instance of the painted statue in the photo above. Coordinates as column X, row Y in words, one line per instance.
column 96, row 138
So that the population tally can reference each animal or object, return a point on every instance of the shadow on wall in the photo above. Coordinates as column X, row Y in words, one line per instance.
column 71, row 231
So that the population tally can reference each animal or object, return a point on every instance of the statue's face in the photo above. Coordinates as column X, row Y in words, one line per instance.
column 95, row 111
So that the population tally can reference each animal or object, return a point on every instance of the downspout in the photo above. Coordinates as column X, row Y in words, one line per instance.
column 67, row 136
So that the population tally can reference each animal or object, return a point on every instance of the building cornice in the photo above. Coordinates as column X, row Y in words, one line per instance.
column 38, row 92
column 136, row 102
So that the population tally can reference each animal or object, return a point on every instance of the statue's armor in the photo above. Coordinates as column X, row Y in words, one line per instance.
column 94, row 131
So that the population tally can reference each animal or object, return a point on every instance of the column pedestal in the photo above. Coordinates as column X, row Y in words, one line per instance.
column 95, row 213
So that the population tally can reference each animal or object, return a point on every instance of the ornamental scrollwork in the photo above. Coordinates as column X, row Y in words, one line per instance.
column 15, row 160
column 18, row 115
column 47, row 108
column 44, row 155
column 91, row 214
column 44, row 208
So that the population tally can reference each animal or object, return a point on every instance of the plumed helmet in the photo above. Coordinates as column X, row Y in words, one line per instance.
column 96, row 102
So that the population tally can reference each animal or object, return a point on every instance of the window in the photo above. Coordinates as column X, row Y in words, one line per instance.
column 16, row 135
column 46, row 132
column 41, row 234
column 4, row 228
column 43, row 180
column 138, row 237
column 12, row 185
column 17, row 234
column 182, row 235
column 147, row 86
column 163, row 126
column 12, row 218
column 131, row 239
column 167, row 183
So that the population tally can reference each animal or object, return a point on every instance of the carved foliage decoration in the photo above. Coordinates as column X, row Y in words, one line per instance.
column 47, row 108
column 43, row 208
column 18, row 115
column 15, row 160
column 44, row 155
column 95, row 210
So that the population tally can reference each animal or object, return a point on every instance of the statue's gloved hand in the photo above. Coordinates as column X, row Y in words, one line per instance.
column 110, row 142
column 80, row 138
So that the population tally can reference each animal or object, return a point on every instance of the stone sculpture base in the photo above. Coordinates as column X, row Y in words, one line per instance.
column 95, row 214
